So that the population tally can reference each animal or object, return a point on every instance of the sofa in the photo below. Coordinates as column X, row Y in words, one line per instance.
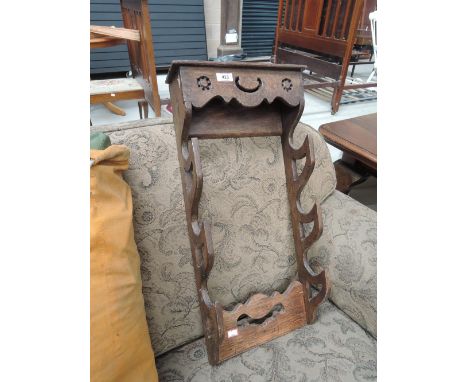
column 244, row 198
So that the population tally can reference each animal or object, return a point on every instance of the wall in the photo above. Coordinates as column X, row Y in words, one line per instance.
column 213, row 26
column 178, row 29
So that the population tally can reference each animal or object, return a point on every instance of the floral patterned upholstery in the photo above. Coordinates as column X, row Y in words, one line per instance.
column 348, row 249
column 334, row 349
column 244, row 198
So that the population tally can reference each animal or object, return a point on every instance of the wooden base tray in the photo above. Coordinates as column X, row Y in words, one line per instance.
column 261, row 319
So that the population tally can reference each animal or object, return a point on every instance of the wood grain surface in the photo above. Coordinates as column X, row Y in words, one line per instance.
column 245, row 100
column 355, row 136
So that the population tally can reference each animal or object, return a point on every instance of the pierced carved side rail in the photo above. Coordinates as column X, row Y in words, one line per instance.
column 215, row 100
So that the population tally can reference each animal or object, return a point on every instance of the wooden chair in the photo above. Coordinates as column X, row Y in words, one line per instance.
column 137, row 35
column 373, row 20
column 320, row 34
column 363, row 52
column 363, row 33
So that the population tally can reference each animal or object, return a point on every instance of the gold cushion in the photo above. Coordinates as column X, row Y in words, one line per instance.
column 120, row 343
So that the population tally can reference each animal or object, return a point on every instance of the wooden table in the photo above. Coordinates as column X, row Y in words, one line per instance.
column 357, row 138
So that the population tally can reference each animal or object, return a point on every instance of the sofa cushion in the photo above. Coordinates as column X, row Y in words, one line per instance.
column 244, row 197
column 334, row 348
column 347, row 249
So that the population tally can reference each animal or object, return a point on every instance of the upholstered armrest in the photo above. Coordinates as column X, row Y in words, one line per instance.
column 348, row 249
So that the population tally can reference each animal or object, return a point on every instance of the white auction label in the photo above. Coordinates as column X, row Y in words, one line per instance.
column 232, row 333
column 231, row 38
column 224, row 77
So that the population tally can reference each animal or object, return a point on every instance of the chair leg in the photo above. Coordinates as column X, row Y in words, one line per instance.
column 139, row 109
column 157, row 105
column 336, row 98
column 114, row 108
column 143, row 109
column 339, row 87
column 371, row 76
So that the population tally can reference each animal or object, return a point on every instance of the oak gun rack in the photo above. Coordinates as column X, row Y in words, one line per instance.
column 215, row 100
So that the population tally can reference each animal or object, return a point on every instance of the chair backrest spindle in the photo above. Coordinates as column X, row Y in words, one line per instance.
column 322, row 26
column 135, row 15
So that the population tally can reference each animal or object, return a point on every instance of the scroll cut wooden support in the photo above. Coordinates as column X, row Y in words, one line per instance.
column 221, row 100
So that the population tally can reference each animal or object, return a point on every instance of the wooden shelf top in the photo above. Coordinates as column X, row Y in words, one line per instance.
column 229, row 65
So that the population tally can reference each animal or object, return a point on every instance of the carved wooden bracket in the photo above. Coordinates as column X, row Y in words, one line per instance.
column 215, row 100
